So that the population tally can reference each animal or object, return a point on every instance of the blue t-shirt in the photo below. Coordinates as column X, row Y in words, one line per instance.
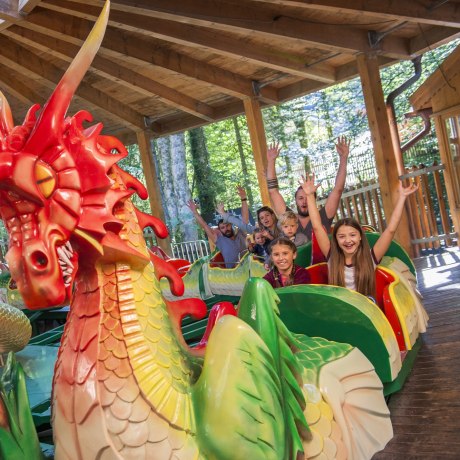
column 231, row 248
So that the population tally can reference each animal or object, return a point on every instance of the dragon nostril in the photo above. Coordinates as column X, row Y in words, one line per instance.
column 39, row 259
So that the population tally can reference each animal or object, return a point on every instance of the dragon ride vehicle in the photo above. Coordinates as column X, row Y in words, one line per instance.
column 126, row 384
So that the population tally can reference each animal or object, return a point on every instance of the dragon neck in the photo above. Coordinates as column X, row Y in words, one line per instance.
column 134, row 313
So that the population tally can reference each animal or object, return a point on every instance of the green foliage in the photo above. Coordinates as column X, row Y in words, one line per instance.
column 206, row 182
column 225, row 161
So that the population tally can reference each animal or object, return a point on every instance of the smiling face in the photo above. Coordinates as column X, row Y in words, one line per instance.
column 283, row 258
column 289, row 228
column 349, row 240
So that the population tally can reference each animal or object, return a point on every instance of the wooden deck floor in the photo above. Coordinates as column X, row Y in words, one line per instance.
column 426, row 412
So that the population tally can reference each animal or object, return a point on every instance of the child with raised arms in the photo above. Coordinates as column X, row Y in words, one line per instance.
column 351, row 262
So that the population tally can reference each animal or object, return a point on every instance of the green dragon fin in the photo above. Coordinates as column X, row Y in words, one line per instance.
column 258, row 308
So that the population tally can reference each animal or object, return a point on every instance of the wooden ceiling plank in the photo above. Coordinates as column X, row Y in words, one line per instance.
column 189, row 35
column 127, row 43
column 429, row 39
column 268, row 20
column 115, row 71
column 20, row 86
column 26, row 59
column 421, row 11
column 228, row 82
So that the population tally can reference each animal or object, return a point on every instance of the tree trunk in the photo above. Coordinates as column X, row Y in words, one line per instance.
column 164, row 161
column 186, row 230
column 203, row 173
column 244, row 166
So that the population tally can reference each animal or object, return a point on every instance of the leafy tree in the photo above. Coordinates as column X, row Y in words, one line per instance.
column 203, row 174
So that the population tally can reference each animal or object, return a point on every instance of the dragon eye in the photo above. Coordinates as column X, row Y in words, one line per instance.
column 46, row 180
column 39, row 259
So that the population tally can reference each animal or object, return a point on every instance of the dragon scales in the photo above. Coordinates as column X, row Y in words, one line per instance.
column 126, row 385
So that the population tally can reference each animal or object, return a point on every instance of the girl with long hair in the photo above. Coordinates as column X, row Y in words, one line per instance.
column 351, row 262
column 285, row 272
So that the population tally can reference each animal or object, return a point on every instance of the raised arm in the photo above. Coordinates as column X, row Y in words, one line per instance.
column 333, row 200
column 212, row 234
column 279, row 205
column 309, row 187
column 245, row 227
column 383, row 243
column 244, row 203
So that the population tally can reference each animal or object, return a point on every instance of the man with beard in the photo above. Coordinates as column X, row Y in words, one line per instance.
column 327, row 212
column 229, row 243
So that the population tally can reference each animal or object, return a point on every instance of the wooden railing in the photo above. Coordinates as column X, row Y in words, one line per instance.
column 430, row 224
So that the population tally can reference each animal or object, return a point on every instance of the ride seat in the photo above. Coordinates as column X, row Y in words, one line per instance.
column 217, row 261
column 383, row 280
column 318, row 273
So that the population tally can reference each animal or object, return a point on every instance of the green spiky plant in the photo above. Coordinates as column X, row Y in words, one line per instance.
column 18, row 437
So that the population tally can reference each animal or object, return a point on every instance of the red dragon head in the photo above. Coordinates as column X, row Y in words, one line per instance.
column 55, row 186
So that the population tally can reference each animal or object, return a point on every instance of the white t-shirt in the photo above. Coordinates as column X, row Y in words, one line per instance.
column 349, row 271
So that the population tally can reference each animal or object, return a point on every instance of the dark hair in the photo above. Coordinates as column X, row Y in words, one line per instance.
column 282, row 241
column 362, row 261
column 220, row 221
column 275, row 232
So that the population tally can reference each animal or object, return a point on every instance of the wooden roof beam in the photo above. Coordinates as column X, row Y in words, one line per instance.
column 26, row 59
column 433, row 37
column 18, row 85
column 421, row 11
column 142, row 48
column 115, row 71
column 274, row 21
column 189, row 35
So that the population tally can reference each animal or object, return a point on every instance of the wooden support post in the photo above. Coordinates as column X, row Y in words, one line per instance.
column 153, row 187
column 381, row 138
column 451, row 178
column 259, row 145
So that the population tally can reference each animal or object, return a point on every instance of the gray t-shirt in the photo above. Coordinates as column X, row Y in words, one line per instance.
column 231, row 248
column 326, row 221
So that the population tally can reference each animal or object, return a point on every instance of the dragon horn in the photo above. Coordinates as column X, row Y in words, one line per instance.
column 56, row 108
column 6, row 125
column 6, row 119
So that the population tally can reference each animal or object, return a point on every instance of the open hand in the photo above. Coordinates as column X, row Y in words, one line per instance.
column 241, row 192
column 308, row 184
column 220, row 208
column 343, row 147
column 404, row 192
column 192, row 206
column 273, row 151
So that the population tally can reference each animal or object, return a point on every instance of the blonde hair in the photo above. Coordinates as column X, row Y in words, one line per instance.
column 362, row 261
column 288, row 215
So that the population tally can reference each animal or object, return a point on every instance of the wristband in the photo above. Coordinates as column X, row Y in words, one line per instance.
column 272, row 183
column 244, row 199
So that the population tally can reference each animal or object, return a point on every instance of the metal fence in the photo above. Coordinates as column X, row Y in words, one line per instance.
column 190, row 250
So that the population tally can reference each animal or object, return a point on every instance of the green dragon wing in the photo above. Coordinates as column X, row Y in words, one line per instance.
column 18, row 438
column 248, row 402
